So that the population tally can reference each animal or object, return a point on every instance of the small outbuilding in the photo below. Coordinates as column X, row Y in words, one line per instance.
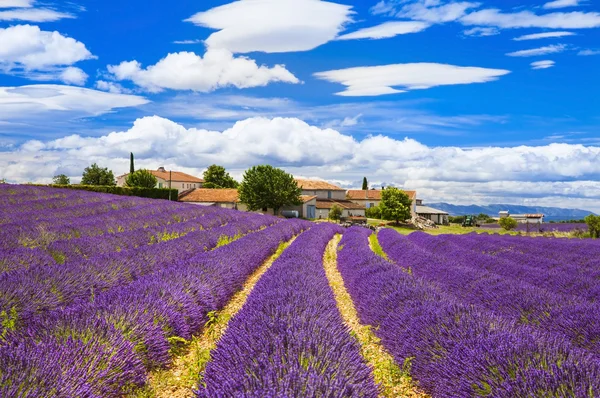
column 435, row 215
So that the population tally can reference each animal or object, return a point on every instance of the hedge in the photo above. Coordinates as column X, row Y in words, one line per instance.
column 154, row 193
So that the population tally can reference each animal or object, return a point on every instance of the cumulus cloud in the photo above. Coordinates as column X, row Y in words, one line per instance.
column 542, row 64
column 545, row 35
column 528, row 19
column 552, row 49
column 437, row 172
column 562, row 4
column 481, row 32
column 25, row 102
column 189, row 71
column 386, row 30
column 31, row 52
column 381, row 80
column 273, row 26
column 111, row 87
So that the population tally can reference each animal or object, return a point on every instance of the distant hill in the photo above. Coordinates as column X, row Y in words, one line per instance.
column 551, row 213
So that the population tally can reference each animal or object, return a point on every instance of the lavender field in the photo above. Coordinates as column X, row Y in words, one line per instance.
column 545, row 227
column 97, row 292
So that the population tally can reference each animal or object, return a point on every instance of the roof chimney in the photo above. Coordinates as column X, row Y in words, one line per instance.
column 161, row 168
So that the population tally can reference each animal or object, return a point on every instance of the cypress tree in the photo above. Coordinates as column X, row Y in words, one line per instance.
column 365, row 184
column 131, row 168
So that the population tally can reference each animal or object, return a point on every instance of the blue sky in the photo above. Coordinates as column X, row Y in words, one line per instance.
column 494, row 98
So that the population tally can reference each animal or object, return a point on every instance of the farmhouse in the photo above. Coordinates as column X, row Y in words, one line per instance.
column 435, row 215
column 327, row 195
column 226, row 198
column 229, row 198
column 372, row 197
column 524, row 218
column 166, row 178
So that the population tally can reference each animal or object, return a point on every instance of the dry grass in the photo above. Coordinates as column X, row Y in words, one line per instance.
column 376, row 247
column 181, row 379
column 394, row 381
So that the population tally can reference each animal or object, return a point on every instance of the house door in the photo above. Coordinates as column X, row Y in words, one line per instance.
column 311, row 212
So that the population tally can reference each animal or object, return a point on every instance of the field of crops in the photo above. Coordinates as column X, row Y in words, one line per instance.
column 97, row 292
column 545, row 227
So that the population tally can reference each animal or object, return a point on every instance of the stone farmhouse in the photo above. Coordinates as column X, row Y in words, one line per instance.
column 166, row 178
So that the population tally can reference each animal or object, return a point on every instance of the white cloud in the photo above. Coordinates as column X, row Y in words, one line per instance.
column 72, row 75
column 273, row 26
column 189, row 71
column 542, row 64
column 381, row 80
column 26, row 102
column 527, row 19
column 196, row 41
column 481, row 32
column 562, row 4
column 16, row 3
column 588, row 52
column 33, row 15
column 30, row 52
column 552, row 49
column 111, row 87
column 545, row 35
column 563, row 171
column 386, row 30
column 435, row 11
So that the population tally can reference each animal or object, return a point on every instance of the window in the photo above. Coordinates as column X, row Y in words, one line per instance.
column 328, row 194
column 160, row 185
column 371, row 205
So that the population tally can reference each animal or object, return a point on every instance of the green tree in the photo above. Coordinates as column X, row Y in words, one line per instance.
column 266, row 187
column 373, row 212
column 131, row 166
column 216, row 177
column 395, row 205
column 365, row 184
column 141, row 178
column 95, row 175
column 508, row 223
column 335, row 213
column 593, row 223
column 61, row 179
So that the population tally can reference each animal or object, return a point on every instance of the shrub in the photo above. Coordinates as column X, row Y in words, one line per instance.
column 593, row 223
column 508, row 223
column 141, row 178
column 335, row 213
column 373, row 212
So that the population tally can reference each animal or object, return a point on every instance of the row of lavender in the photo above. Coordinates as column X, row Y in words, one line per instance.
column 545, row 227
column 553, row 297
column 289, row 339
column 457, row 347
column 103, row 343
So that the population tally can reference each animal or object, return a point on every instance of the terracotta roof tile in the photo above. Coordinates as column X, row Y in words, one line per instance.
column 176, row 176
column 307, row 198
column 204, row 195
column 317, row 185
column 374, row 194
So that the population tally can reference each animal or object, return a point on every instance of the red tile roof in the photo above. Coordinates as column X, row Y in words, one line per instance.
column 204, row 195
column 373, row 194
column 317, row 185
column 176, row 176
column 306, row 198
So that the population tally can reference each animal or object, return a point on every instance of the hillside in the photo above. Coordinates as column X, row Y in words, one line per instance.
column 551, row 213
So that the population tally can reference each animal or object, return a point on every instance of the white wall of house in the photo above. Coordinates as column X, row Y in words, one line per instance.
column 324, row 213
